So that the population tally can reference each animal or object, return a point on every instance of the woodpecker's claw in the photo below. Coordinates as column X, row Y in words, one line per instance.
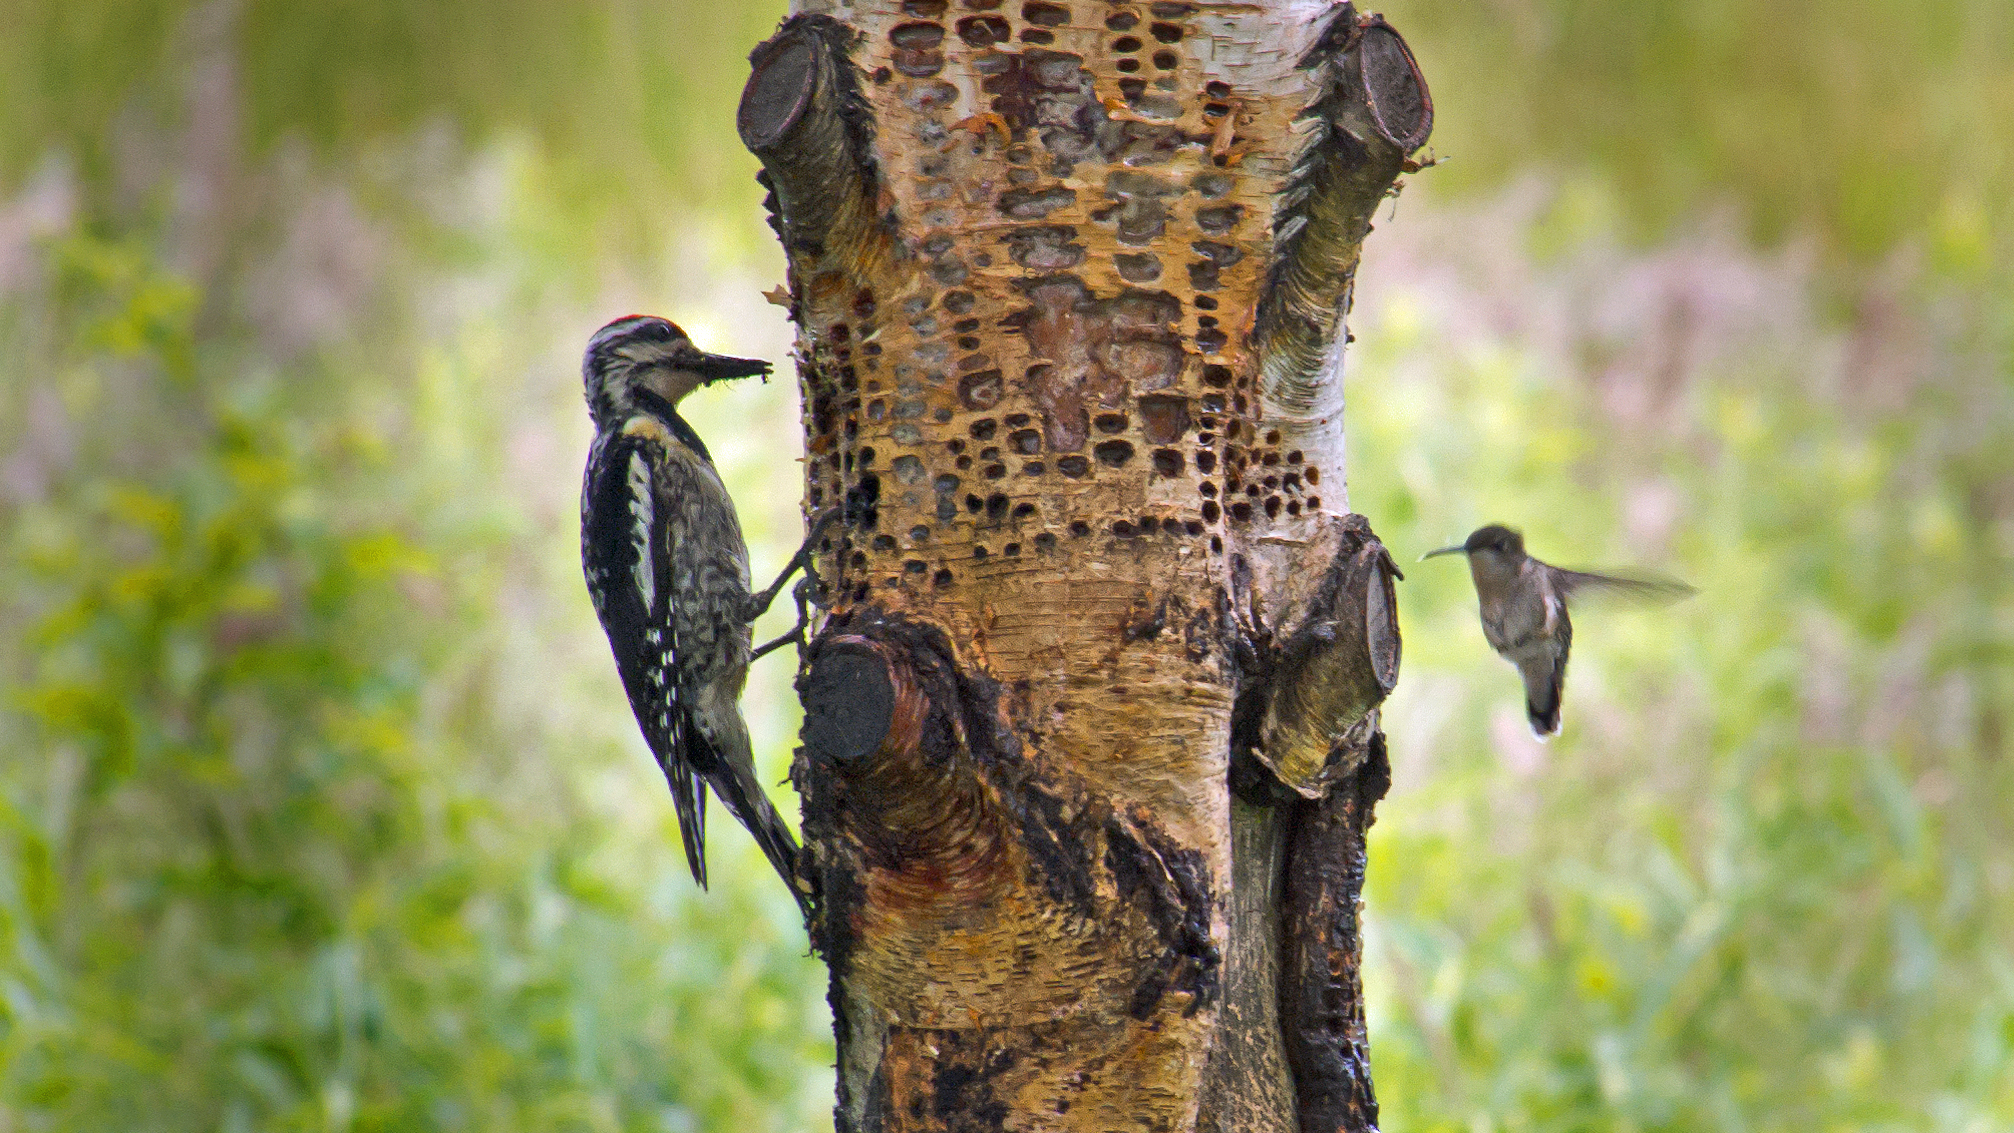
column 756, row 654
column 758, row 603
column 801, row 593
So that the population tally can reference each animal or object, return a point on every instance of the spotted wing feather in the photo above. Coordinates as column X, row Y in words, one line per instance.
column 627, row 554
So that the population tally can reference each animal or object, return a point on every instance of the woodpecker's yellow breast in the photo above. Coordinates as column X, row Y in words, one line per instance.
column 650, row 429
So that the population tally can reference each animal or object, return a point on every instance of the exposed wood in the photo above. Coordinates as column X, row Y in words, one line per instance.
column 1249, row 1087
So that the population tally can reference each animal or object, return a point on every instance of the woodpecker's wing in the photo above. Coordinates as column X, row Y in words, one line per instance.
column 626, row 554
column 1639, row 587
column 709, row 602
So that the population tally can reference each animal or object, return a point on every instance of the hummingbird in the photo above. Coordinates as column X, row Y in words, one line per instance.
column 1524, row 609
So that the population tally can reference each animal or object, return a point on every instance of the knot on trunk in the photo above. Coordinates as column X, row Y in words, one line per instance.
column 895, row 733
column 924, row 817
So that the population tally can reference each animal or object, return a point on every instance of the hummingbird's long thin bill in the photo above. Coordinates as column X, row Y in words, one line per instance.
column 1454, row 550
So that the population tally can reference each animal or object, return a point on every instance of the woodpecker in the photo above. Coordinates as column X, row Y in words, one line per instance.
column 1524, row 611
column 668, row 570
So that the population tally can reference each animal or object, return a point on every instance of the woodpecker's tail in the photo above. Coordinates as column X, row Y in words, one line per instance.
column 731, row 772
column 688, row 797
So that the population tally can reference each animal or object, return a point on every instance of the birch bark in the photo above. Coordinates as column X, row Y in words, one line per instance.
column 1091, row 735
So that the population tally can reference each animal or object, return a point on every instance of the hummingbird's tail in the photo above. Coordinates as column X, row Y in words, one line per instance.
column 1544, row 689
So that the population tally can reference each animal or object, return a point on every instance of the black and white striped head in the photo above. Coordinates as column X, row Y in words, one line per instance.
column 639, row 359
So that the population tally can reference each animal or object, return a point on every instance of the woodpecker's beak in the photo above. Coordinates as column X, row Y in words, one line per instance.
column 719, row 367
column 1454, row 550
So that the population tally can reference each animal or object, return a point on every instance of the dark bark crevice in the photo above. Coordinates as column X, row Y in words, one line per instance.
column 1321, row 990
column 1249, row 1087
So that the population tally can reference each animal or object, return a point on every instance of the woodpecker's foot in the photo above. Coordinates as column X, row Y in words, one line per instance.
column 796, row 635
column 757, row 603
column 803, row 593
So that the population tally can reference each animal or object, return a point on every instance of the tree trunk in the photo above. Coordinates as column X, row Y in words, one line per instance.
column 1091, row 734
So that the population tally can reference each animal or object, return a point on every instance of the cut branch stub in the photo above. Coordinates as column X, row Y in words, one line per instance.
column 803, row 115
column 1394, row 90
column 883, row 715
column 778, row 94
column 1373, row 112
column 1321, row 994
column 858, row 701
column 1338, row 658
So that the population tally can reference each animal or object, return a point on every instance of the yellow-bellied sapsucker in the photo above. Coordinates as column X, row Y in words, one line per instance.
column 668, row 571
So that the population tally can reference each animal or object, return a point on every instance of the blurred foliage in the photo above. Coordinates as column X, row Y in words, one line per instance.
column 1765, row 879
column 282, row 854
column 315, row 813
column 1864, row 123
column 319, row 806
column 586, row 85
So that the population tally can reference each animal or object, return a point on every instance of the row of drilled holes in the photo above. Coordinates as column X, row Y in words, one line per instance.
column 1115, row 453
column 1127, row 45
column 982, row 32
column 1046, row 12
column 1055, row 15
column 1263, row 489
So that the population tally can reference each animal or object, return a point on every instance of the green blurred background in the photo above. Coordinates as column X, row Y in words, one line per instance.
column 320, row 807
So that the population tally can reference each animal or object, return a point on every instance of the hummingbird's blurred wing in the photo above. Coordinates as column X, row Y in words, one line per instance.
column 1640, row 587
